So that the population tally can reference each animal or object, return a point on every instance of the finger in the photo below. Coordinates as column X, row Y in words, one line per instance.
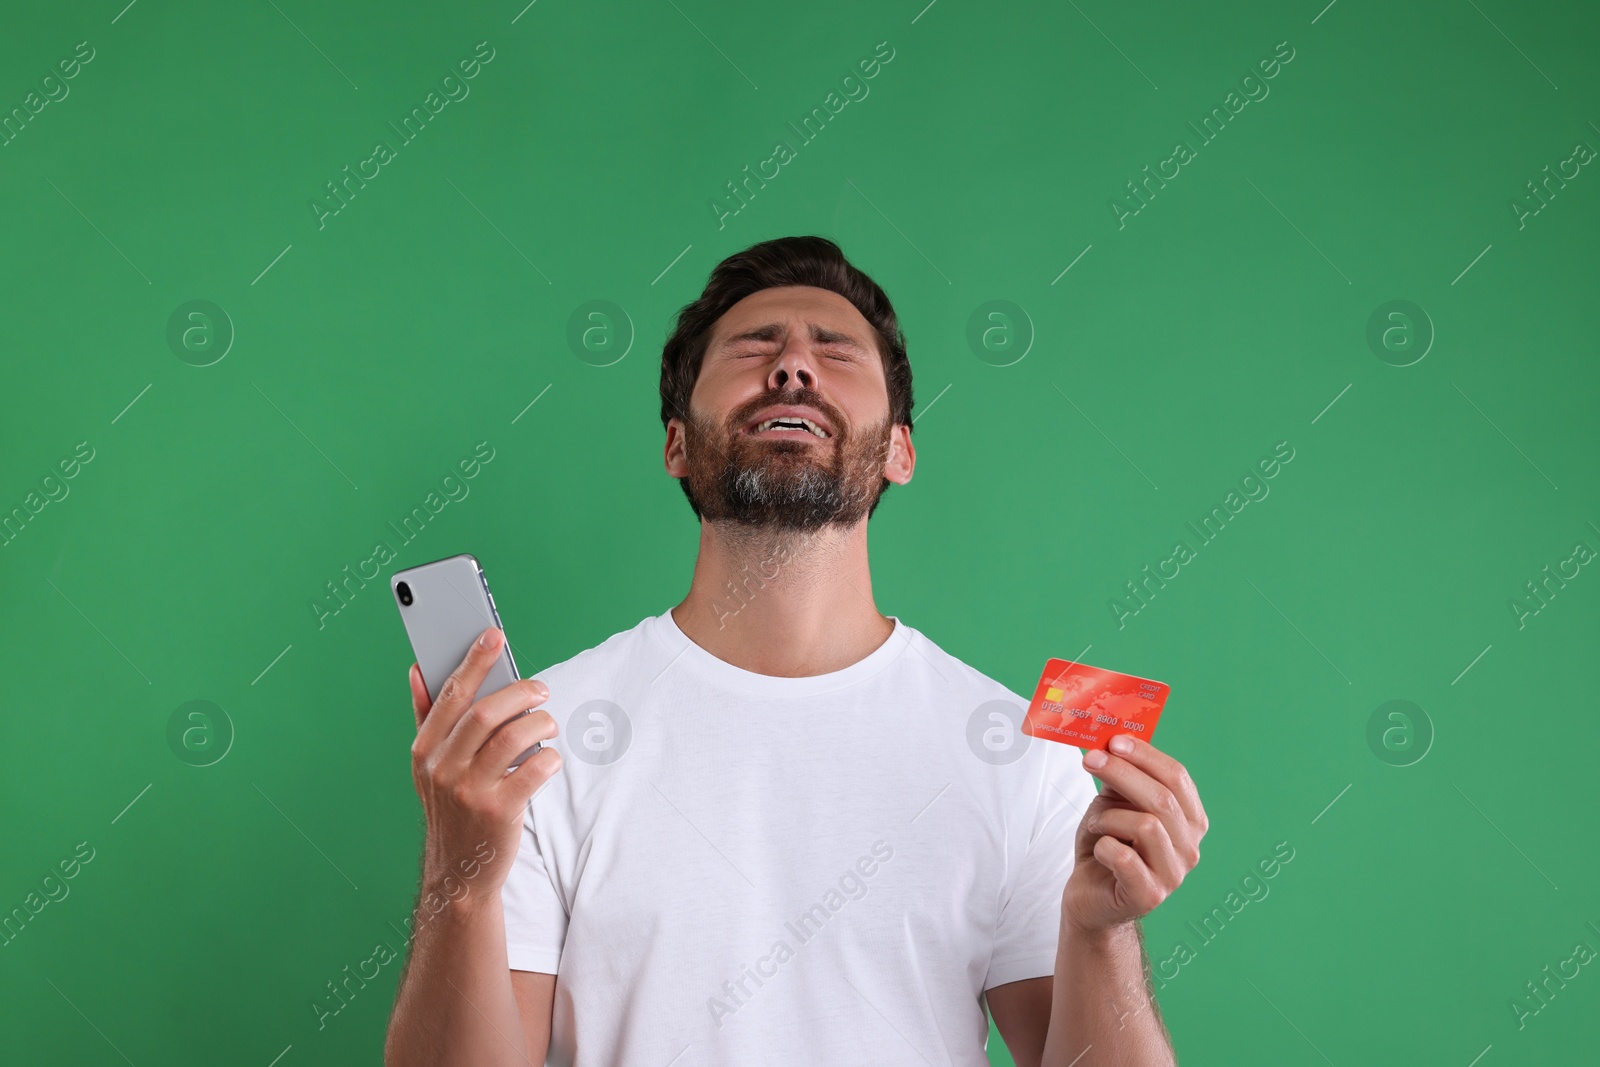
column 522, row 783
column 1130, row 785
column 420, row 701
column 1146, row 834
column 1138, row 884
column 1169, row 772
column 487, row 715
column 460, row 689
column 535, row 771
column 515, row 736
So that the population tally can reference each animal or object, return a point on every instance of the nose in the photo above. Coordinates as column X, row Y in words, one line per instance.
column 793, row 368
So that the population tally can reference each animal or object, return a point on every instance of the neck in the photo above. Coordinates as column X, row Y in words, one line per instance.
column 783, row 603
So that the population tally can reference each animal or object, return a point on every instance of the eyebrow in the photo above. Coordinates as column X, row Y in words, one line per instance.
column 772, row 331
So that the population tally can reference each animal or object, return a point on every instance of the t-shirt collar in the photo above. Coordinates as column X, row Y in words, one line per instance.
column 685, row 654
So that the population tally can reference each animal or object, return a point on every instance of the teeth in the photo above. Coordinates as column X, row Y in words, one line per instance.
column 807, row 423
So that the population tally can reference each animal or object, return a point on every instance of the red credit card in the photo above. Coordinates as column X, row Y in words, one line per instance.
column 1086, row 706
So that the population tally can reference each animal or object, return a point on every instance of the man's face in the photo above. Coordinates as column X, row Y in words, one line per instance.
column 788, row 426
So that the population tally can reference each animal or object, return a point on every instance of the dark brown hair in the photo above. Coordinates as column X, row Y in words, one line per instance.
column 813, row 261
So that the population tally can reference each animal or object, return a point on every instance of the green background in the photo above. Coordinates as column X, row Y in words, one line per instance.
column 373, row 353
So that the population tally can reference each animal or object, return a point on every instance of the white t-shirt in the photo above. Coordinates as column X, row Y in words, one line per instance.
column 733, row 868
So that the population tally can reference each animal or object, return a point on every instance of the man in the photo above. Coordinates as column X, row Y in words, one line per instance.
column 794, row 830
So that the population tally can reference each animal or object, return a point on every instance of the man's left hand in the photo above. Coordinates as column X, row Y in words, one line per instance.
column 1138, row 839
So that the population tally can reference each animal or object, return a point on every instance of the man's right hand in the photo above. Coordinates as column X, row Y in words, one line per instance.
column 459, row 762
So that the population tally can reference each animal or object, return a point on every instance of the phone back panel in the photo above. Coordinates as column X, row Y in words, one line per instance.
column 450, row 606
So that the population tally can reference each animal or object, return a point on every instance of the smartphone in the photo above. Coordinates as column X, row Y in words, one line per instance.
column 445, row 605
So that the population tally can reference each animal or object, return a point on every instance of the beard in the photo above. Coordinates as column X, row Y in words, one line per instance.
column 781, row 484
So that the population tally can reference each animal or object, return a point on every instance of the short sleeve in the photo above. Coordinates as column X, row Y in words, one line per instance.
column 1028, row 932
column 536, row 919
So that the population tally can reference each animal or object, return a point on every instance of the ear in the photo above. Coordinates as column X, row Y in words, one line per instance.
column 902, row 455
column 673, row 456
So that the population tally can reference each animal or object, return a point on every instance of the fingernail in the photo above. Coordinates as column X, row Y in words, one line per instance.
column 1122, row 744
column 486, row 639
column 1094, row 759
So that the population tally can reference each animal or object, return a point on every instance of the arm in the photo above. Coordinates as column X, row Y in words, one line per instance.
column 459, row 1002
column 1135, row 844
column 536, row 996
column 1103, row 1000
column 1125, row 1027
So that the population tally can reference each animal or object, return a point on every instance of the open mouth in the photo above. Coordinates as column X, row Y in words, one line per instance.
column 788, row 426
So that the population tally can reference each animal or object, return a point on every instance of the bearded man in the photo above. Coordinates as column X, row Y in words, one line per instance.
column 794, row 830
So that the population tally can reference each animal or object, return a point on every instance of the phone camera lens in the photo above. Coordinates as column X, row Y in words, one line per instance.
column 403, row 591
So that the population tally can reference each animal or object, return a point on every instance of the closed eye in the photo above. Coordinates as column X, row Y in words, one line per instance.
column 840, row 355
